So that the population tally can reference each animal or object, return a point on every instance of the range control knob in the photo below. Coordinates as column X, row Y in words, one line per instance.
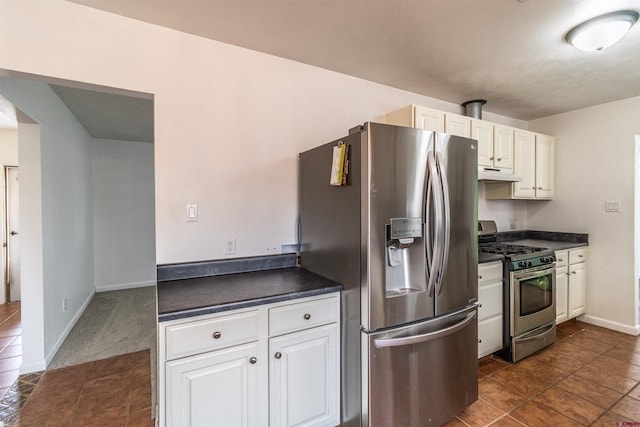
column 529, row 263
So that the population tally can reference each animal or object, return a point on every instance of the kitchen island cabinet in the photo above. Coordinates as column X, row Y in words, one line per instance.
column 277, row 362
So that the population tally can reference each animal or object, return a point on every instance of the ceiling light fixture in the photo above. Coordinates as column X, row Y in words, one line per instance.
column 602, row 31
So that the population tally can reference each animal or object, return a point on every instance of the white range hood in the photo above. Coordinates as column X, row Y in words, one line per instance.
column 488, row 174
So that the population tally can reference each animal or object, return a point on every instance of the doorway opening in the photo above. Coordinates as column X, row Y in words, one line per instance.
column 12, row 288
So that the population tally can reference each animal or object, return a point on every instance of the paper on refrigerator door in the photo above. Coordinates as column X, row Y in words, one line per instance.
column 338, row 175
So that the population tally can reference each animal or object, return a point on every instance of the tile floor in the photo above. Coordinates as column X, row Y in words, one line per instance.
column 589, row 377
column 114, row 392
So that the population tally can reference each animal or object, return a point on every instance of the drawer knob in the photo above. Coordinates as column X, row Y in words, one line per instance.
column 499, row 159
column 253, row 360
column 479, row 305
column 539, row 188
column 216, row 335
column 580, row 256
column 278, row 355
column 560, row 260
column 479, row 276
column 573, row 272
column 479, row 341
column 307, row 316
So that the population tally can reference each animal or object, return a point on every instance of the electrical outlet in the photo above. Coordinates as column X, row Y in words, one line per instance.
column 230, row 246
column 64, row 304
column 612, row 206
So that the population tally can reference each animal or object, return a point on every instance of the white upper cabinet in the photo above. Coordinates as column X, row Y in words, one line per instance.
column 525, row 164
column 503, row 146
column 458, row 125
column 534, row 163
column 415, row 116
column 483, row 132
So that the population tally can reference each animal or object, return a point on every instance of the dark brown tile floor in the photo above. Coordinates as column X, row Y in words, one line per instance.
column 113, row 392
column 589, row 377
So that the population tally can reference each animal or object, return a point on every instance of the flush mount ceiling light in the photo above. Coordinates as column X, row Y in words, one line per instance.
column 602, row 31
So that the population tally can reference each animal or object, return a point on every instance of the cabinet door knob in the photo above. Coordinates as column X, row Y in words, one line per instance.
column 216, row 335
column 253, row 360
column 479, row 305
column 499, row 159
column 560, row 260
column 581, row 256
column 573, row 272
column 539, row 188
column 480, row 341
column 479, row 276
column 278, row 355
column 533, row 188
column 491, row 158
column 307, row 316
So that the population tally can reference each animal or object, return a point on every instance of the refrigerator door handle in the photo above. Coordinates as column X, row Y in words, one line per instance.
column 446, row 219
column 430, row 336
column 436, row 241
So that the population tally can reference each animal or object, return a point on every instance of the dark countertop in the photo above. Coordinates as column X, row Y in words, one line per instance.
column 543, row 239
column 183, row 298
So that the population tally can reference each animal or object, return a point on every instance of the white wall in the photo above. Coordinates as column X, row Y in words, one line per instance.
column 595, row 149
column 229, row 122
column 502, row 211
column 8, row 157
column 67, row 209
column 123, row 214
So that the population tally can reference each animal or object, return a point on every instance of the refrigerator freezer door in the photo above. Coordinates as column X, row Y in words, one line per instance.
column 394, row 187
column 421, row 375
column 458, row 281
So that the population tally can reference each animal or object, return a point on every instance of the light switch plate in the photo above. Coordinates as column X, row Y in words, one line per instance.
column 192, row 213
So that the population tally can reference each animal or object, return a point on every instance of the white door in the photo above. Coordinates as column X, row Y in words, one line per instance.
column 13, row 234
column 304, row 378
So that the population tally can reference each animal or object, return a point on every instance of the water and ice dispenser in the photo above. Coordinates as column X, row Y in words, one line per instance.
column 404, row 255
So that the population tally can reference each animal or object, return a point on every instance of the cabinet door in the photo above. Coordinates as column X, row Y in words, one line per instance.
column 489, row 336
column 503, row 147
column 525, row 164
column 428, row 119
column 220, row 388
column 562, row 289
column 544, row 166
column 577, row 289
column 304, row 378
column 483, row 133
column 457, row 125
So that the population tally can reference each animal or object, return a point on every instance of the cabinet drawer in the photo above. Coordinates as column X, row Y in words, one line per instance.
column 562, row 258
column 490, row 298
column 210, row 334
column 489, row 336
column 302, row 315
column 577, row 255
column 489, row 272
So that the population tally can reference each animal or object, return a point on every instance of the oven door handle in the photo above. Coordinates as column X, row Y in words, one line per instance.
column 534, row 272
column 547, row 329
column 430, row 336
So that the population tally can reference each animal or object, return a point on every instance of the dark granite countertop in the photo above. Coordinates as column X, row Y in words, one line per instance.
column 543, row 239
column 183, row 298
column 550, row 244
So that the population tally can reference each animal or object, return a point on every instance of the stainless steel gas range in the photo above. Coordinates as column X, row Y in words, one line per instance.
column 529, row 298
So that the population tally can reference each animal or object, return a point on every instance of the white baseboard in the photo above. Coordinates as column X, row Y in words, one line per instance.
column 620, row 327
column 27, row 368
column 120, row 286
column 66, row 331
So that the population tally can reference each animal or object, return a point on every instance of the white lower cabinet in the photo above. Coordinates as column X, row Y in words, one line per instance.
column 304, row 377
column 571, row 283
column 197, row 397
column 276, row 364
column 490, row 292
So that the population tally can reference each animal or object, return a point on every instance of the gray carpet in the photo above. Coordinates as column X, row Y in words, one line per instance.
column 114, row 323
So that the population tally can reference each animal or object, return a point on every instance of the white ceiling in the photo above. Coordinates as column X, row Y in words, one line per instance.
column 509, row 52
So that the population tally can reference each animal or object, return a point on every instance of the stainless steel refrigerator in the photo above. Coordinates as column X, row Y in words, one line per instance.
column 400, row 234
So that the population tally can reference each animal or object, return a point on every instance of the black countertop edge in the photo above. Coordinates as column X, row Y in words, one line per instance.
column 578, row 238
column 191, row 270
column 245, row 304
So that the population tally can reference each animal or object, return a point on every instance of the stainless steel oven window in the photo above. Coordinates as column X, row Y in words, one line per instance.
column 536, row 294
